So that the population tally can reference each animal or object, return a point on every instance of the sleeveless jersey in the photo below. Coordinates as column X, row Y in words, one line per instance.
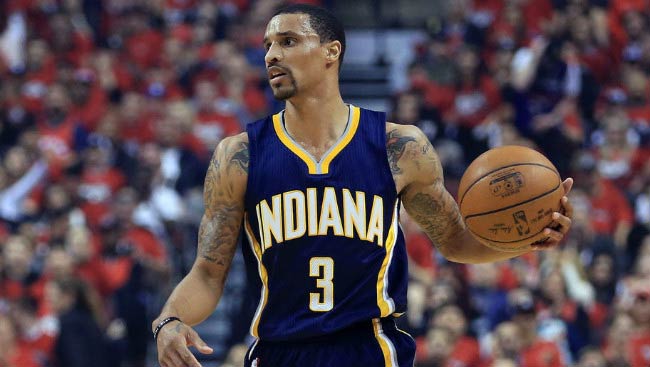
column 322, row 238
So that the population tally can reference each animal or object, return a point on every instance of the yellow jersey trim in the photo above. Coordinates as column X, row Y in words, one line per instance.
column 387, row 347
column 289, row 143
column 346, row 138
column 313, row 165
column 385, row 303
column 257, row 251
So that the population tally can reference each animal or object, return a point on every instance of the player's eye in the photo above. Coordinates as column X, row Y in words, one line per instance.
column 288, row 41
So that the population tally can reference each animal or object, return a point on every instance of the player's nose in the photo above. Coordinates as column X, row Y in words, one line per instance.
column 273, row 54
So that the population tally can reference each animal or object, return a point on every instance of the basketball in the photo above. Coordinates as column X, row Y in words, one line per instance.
column 507, row 197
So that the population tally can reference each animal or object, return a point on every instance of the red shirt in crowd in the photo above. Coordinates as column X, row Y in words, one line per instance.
column 144, row 244
column 541, row 354
column 36, row 83
column 639, row 350
column 57, row 143
column 144, row 49
column 140, row 131
column 608, row 208
column 472, row 103
column 21, row 357
column 464, row 353
column 420, row 251
column 93, row 110
column 96, row 189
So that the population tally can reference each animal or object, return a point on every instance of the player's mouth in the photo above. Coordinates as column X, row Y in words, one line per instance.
column 275, row 73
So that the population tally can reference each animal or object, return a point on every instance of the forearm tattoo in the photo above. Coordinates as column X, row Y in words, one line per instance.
column 436, row 213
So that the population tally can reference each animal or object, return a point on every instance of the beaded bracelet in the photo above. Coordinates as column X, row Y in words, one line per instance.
column 163, row 323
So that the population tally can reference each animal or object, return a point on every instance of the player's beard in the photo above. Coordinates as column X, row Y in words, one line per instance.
column 282, row 92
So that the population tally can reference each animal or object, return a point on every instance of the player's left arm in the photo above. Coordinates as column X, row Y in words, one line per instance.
column 419, row 178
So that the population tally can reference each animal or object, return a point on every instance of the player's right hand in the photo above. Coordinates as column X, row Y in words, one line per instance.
column 173, row 346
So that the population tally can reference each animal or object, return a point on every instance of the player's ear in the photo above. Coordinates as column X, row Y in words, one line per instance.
column 333, row 50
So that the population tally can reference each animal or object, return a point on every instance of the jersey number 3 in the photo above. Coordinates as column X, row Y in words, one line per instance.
column 322, row 268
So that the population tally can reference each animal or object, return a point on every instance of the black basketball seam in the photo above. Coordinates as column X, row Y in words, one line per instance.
column 516, row 249
column 521, row 239
column 500, row 168
column 514, row 205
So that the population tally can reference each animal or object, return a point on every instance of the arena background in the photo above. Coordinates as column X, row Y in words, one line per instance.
column 109, row 111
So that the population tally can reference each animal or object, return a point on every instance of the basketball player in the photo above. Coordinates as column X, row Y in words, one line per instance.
column 316, row 190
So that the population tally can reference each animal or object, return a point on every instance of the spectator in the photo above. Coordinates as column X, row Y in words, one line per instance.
column 13, row 353
column 619, row 157
column 616, row 343
column 507, row 342
column 136, row 123
column 61, row 137
column 37, row 333
column 99, row 181
column 611, row 214
column 17, row 258
column 558, row 304
column 179, row 168
column 463, row 349
column 24, row 178
column 439, row 346
column 603, row 275
column 534, row 350
column 142, row 263
column 639, row 341
column 488, row 298
column 80, row 341
column 89, row 100
column 212, row 123
column 592, row 357
column 475, row 94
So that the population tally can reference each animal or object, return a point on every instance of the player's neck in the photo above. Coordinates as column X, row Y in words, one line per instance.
column 317, row 121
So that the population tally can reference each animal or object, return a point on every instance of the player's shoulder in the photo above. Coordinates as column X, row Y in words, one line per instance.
column 405, row 132
column 233, row 151
column 235, row 139
column 410, row 153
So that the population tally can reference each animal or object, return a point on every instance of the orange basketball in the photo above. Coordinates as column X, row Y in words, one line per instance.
column 507, row 197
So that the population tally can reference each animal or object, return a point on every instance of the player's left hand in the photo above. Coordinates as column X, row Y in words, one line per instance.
column 561, row 221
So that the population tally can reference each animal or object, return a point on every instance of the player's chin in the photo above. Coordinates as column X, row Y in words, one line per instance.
column 283, row 94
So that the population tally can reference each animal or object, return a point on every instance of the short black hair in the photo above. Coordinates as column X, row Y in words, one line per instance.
column 321, row 20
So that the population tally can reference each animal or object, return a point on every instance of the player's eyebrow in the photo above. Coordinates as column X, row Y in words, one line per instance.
column 281, row 34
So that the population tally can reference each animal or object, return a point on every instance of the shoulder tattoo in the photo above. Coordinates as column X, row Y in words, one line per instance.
column 396, row 146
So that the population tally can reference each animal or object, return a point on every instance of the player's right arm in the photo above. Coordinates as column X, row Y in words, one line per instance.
column 197, row 295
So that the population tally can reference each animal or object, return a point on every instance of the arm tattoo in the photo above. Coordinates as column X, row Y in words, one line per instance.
column 220, row 225
column 396, row 146
column 218, row 236
column 436, row 215
column 424, row 195
column 241, row 156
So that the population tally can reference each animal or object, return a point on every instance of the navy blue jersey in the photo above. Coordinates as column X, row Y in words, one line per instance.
column 323, row 238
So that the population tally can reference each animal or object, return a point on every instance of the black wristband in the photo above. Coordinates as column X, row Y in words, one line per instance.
column 163, row 323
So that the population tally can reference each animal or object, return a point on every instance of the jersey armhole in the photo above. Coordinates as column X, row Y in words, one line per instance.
column 382, row 139
column 252, row 157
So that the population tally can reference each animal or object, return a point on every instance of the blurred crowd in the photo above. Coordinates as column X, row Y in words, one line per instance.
column 571, row 79
column 109, row 112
